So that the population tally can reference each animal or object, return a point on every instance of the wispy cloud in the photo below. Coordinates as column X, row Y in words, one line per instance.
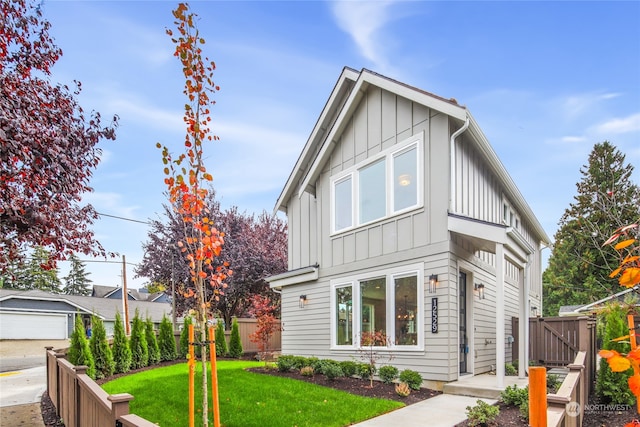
column 111, row 203
column 620, row 125
column 573, row 139
column 577, row 105
column 363, row 22
column 138, row 110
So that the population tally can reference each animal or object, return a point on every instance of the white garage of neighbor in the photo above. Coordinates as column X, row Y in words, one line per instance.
column 16, row 325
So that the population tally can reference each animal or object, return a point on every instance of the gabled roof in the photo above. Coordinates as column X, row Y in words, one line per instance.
column 105, row 308
column 343, row 101
column 573, row 310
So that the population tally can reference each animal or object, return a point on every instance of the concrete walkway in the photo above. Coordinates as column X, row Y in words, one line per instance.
column 444, row 410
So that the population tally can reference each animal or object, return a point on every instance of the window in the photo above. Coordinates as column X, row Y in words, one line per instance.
column 386, row 185
column 385, row 302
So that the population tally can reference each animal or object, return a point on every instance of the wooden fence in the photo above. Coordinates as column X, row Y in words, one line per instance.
column 79, row 401
column 556, row 341
column 248, row 326
column 565, row 408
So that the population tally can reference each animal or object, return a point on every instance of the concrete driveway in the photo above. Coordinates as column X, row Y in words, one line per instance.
column 23, row 354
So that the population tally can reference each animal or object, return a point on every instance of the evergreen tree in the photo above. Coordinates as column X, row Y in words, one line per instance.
column 32, row 274
column 79, row 352
column 235, row 344
column 579, row 266
column 184, row 338
column 167, row 341
column 100, row 350
column 138, row 343
column 611, row 387
column 77, row 281
column 152, row 343
column 221, row 341
column 121, row 351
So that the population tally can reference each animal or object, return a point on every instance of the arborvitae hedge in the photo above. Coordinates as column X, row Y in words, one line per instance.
column 152, row 343
column 167, row 341
column 221, row 341
column 138, row 344
column 235, row 344
column 79, row 352
column 184, row 338
column 120, row 349
column 100, row 350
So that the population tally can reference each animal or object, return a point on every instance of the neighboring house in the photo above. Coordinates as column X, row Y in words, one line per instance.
column 115, row 292
column 41, row 315
column 627, row 295
column 402, row 219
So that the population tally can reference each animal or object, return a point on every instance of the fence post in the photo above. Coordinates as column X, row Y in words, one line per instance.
column 78, row 370
column 538, row 396
column 119, row 405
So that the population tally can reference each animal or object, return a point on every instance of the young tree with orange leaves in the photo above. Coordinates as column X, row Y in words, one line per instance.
column 187, row 177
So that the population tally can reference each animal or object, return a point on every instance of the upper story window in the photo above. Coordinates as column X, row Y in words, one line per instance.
column 385, row 185
column 509, row 215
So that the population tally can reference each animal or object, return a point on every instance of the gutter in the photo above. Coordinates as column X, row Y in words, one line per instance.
column 452, row 179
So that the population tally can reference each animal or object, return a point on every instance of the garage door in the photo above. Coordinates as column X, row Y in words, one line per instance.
column 30, row 326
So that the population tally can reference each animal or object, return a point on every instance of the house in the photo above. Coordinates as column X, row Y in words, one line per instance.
column 402, row 219
column 628, row 295
column 115, row 292
column 37, row 314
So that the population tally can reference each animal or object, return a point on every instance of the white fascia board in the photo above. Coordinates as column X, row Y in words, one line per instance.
column 348, row 75
column 510, row 187
column 301, row 275
column 479, row 229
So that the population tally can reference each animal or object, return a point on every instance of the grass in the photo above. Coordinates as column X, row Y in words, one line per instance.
column 247, row 399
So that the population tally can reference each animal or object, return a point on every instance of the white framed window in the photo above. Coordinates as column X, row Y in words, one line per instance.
column 387, row 184
column 388, row 302
column 509, row 216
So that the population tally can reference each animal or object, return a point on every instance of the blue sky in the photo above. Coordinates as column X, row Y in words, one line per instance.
column 545, row 81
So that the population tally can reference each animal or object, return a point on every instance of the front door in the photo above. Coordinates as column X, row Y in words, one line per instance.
column 462, row 307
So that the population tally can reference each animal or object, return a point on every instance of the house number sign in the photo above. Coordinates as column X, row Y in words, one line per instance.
column 434, row 315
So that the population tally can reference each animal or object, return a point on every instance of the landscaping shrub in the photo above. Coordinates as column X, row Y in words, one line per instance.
column 221, row 341
column 153, row 349
column 79, row 352
column 235, row 345
column 167, row 341
column 306, row 371
column 349, row 367
column 183, row 350
column 482, row 413
column 100, row 350
column 315, row 363
column 412, row 378
column 514, row 396
column 331, row 369
column 553, row 383
column 300, row 362
column 612, row 387
column 120, row 348
column 365, row 370
column 387, row 374
column 403, row 390
column 285, row 363
column 138, row 344
column 510, row 370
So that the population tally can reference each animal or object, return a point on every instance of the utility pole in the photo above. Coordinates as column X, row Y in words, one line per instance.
column 125, row 297
column 173, row 298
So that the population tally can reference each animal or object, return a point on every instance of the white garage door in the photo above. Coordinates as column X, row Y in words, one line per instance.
column 30, row 326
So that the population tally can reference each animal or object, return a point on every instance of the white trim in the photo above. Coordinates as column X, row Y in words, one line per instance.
column 388, row 155
column 390, row 275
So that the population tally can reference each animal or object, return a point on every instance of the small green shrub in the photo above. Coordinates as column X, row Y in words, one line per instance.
column 153, row 349
column 412, row 378
column 79, row 352
column 306, row 371
column 514, row 396
column 235, row 344
column 299, row 362
column 331, row 370
column 315, row 363
column 285, row 363
column 510, row 370
column 100, row 350
column 515, row 364
column 553, row 383
column 403, row 390
column 183, row 349
column 482, row 413
column 349, row 367
column 120, row 347
column 167, row 341
column 138, row 343
column 221, row 341
column 388, row 373
column 365, row 370
column 524, row 409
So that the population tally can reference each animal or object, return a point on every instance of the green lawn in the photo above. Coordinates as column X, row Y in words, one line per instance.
column 246, row 399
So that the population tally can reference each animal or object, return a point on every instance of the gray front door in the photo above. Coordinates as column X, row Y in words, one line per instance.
column 462, row 307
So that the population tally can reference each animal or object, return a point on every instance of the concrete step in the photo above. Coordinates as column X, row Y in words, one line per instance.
column 484, row 386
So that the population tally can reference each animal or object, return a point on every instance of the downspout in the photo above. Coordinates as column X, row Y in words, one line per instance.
column 452, row 179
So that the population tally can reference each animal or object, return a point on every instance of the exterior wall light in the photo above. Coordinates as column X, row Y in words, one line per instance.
column 433, row 282
column 480, row 288
column 303, row 301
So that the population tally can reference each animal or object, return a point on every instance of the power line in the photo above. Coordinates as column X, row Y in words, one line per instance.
column 124, row 219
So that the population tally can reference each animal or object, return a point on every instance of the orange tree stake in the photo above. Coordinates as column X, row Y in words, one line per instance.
column 192, row 364
column 538, row 396
column 214, row 379
column 634, row 345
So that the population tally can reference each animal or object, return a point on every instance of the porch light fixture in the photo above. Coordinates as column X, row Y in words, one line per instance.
column 303, row 301
column 480, row 288
column 433, row 282
column 404, row 179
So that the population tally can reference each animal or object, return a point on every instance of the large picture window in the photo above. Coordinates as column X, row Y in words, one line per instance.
column 385, row 185
column 388, row 303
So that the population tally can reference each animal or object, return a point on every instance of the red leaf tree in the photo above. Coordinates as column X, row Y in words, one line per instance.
column 264, row 310
column 47, row 145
